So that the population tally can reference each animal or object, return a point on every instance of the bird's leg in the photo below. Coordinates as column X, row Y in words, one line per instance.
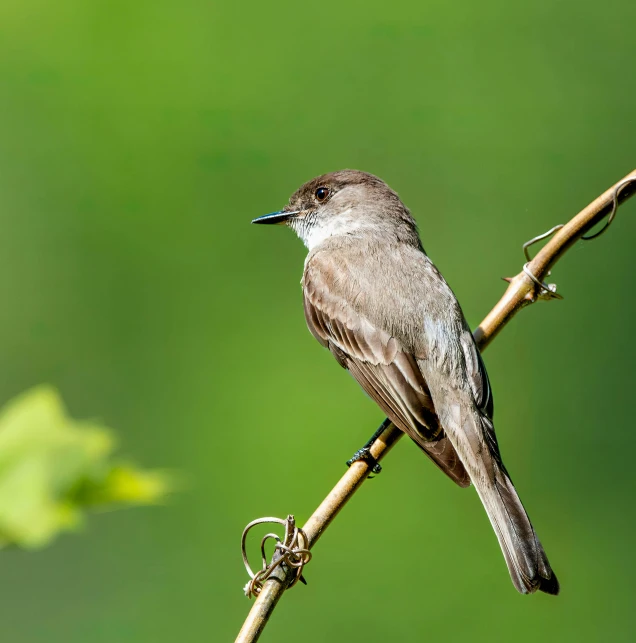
column 365, row 452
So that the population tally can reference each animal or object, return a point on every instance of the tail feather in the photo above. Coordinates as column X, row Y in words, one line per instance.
column 472, row 434
column 527, row 563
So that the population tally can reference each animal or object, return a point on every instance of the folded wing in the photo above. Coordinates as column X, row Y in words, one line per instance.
column 386, row 372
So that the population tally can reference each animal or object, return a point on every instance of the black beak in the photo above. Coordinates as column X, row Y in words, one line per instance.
column 282, row 216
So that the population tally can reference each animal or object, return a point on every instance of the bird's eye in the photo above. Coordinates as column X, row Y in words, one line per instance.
column 322, row 194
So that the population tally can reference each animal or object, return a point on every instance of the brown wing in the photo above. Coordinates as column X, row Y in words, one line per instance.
column 388, row 374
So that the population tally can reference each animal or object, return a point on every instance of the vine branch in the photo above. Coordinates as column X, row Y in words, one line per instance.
column 522, row 291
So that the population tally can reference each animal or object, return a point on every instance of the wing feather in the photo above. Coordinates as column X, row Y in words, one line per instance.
column 386, row 372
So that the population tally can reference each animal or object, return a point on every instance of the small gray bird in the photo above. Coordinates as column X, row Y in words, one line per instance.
column 376, row 301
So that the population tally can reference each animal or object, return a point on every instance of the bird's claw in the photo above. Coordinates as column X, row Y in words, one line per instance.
column 364, row 454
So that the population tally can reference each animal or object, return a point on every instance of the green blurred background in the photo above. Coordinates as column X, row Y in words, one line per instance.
column 137, row 141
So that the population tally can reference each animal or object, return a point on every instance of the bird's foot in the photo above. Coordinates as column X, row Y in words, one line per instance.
column 364, row 454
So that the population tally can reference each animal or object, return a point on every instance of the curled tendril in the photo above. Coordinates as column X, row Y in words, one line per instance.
column 548, row 291
column 292, row 552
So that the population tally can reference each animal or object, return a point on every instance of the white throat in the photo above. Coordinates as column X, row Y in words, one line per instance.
column 319, row 231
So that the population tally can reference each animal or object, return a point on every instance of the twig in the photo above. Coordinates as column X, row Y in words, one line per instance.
column 522, row 291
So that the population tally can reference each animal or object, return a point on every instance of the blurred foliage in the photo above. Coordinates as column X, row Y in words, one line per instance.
column 52, row 468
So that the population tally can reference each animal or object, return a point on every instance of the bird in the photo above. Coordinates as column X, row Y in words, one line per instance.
column 374, row 298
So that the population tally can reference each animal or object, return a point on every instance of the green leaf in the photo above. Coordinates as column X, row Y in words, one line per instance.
column 53, row 467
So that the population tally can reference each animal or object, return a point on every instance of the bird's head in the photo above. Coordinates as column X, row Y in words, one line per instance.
column 345, row 203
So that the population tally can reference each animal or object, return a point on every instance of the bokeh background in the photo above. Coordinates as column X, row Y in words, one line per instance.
column 137, row 141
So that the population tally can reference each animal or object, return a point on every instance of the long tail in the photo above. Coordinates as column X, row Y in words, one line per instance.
column 473, row 436
column 527, row 563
